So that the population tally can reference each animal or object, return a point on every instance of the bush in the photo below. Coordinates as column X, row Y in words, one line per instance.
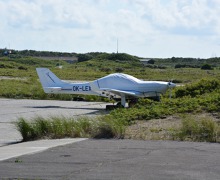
column 206, row 67
column 84, row 57
column 22, row 68
column 61, row 127
column 151, row 61
column 2, row 66
column 26, row 129
column 106, row 69
column 119, row 69
column 121, row 57
column 199, row 130
column 186, row 66
column 198, row 88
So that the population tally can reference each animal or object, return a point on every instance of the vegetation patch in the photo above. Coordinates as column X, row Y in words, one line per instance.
column 198, row 129
column 201, row 128
column 197, row 96
column 154, row 129
column 61, row 127
column 198, row 88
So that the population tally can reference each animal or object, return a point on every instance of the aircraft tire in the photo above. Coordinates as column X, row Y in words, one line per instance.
column 112, row 107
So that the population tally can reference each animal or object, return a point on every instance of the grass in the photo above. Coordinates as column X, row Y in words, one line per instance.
column 61, row 127
column 194, row 129
column 185, row 128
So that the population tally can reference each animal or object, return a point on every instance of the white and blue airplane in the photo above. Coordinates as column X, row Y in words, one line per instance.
column 114, row 86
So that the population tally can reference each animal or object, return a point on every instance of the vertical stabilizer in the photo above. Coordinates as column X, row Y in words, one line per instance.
column 47, row 78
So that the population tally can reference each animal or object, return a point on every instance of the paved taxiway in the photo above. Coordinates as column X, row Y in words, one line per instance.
column 12, row 109
column 118, row 159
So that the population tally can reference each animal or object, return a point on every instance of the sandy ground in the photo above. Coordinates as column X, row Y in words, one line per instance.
column 161, row 129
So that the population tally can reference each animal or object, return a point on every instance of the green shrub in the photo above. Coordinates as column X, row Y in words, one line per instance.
column 119, row 69
column 121, row 57
column 206, row 67
column 26, row 129
column 61, row 127
column 84, row 57
column 204, row 129
column 199, row 88
column 22, row 68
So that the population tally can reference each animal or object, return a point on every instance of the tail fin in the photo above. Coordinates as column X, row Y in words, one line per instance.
column 49, row 80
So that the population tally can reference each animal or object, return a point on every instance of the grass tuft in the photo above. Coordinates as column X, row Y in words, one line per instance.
column 204, row 129
column 61, row 127
column 26, row 129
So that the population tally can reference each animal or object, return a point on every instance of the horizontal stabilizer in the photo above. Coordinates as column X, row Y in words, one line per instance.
column 52, row 89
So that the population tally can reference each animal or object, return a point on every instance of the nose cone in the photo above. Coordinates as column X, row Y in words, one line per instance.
column 171, row 85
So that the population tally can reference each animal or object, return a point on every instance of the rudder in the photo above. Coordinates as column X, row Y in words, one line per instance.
column 47, row 78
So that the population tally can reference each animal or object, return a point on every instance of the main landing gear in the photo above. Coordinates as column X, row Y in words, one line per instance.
column 122, row 104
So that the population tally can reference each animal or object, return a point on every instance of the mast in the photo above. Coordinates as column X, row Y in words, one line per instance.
column 117, row 45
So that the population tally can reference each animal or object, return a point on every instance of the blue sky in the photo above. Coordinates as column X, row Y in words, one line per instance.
column 145, row 28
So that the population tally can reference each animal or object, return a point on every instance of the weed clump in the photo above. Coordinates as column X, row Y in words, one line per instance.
column 192, row 129
column 61, row 127
column 26, row 129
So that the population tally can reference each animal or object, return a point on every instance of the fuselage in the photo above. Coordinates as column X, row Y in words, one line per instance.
column 120, row 82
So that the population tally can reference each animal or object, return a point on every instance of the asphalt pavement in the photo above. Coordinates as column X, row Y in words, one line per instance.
column 118, row 159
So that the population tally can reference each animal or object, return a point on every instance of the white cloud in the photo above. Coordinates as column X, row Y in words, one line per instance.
column 177, row 13
column 143, row 27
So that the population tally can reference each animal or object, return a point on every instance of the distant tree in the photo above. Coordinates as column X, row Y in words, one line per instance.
column 173, row 59
column 84, row 57
column 206, row 67
column 121, row 57
column 178, row 66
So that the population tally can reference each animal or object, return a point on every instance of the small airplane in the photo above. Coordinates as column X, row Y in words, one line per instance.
column 115, row 86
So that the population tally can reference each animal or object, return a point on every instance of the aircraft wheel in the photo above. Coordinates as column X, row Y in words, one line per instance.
column 119, row 105
column 110, row 107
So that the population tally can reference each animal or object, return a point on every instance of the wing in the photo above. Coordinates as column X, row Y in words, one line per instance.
column 122, row 92
column 95, row 87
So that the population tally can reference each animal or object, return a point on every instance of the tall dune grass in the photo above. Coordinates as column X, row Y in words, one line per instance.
column 194, row 129
column 61, row 127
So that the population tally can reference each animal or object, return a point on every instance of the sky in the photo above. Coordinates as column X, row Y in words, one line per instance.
column 144, row 28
